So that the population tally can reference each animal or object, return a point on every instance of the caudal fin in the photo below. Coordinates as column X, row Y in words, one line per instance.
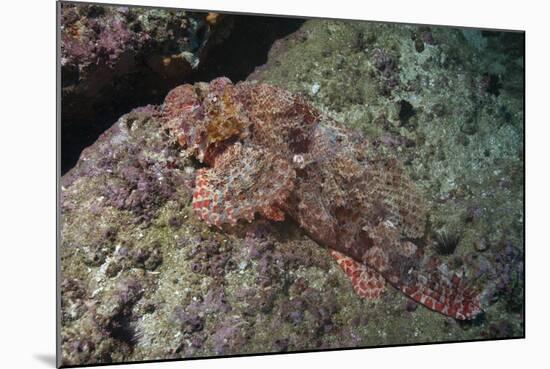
column 450, row 296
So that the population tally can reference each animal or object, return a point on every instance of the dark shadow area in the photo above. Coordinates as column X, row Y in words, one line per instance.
column 237, row 56
column 246, row 48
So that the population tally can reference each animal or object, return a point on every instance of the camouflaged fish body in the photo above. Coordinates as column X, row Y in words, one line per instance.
column 270, row 152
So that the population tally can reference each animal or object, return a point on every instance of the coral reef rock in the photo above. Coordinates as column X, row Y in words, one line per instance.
column 115, row 57
column 144, row 276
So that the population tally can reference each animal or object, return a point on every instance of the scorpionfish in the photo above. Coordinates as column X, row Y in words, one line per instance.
column 269, row 152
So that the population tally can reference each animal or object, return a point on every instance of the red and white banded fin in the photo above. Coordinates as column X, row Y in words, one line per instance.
column 366, row 282
column 243, row 181
column 424, row 279
column 448, row 296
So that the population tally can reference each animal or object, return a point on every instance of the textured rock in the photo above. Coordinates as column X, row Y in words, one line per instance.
column 122, row 56
column 265, row 286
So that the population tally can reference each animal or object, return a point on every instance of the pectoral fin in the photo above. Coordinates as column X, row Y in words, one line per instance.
column 244, row 180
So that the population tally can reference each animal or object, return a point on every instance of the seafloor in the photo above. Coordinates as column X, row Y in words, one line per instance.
column 142, row 278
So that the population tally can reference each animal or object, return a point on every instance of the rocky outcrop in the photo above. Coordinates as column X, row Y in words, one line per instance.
column 142, row 277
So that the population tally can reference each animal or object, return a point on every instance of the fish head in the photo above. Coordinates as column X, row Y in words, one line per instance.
column 205, row 118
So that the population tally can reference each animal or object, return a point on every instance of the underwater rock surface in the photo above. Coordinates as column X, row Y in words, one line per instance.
column 115, row 56
column 144, row 278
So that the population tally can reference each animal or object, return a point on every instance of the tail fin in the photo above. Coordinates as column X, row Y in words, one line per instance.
column 424, row 279
column 448, row 296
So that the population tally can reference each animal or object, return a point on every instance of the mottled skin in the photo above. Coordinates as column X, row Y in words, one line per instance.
column 270, row 152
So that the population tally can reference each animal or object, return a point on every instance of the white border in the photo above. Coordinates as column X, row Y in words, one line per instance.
column 28, row 182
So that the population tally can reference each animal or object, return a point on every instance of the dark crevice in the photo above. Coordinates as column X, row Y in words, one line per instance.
column 236, row 57
column 492, row 83
column 406, row 111
column 246, row 47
